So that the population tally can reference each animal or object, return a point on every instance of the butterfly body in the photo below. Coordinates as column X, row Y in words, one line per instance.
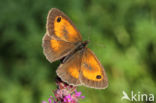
column 80, row 46
column 79, row 65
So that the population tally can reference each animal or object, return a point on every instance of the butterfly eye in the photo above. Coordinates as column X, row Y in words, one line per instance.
column 98, row 77
column 58, row 19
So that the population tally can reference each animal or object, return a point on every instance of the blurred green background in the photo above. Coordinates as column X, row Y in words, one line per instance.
column 122, row 34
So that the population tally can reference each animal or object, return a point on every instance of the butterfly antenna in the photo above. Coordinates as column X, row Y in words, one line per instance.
column 89, row 33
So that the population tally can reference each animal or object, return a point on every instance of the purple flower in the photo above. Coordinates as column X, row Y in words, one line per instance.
column 77, row 94
column 49, row 100
column 82, row 97
column 67, row 99
column 65, row 94
column 44, row 102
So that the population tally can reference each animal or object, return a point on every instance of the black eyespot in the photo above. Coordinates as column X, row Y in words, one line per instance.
column 98, row 77
column 58, row 19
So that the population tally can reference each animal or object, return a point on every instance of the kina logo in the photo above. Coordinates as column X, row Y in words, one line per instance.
column 137, row 96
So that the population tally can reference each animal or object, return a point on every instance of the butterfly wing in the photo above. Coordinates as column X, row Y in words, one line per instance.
column 55, row 49
column 61, row 27
column 69, row 71
column 92, row 73
column 61, row 37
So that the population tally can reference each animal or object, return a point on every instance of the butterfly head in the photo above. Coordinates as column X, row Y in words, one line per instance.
column 84, row 44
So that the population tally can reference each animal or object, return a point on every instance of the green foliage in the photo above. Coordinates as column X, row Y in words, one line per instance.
column 122, row 34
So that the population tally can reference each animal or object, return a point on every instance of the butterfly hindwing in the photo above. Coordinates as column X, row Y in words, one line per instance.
column 69, row 71
column 55, row 49
column 92, row 73
column 61, row 27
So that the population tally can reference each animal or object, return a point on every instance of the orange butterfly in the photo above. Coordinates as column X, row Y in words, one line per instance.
column 62, row 41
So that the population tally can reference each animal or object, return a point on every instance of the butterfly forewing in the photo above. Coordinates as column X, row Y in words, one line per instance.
column 61, row 27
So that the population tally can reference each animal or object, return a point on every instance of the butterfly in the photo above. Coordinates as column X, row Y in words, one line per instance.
column 62, row 41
